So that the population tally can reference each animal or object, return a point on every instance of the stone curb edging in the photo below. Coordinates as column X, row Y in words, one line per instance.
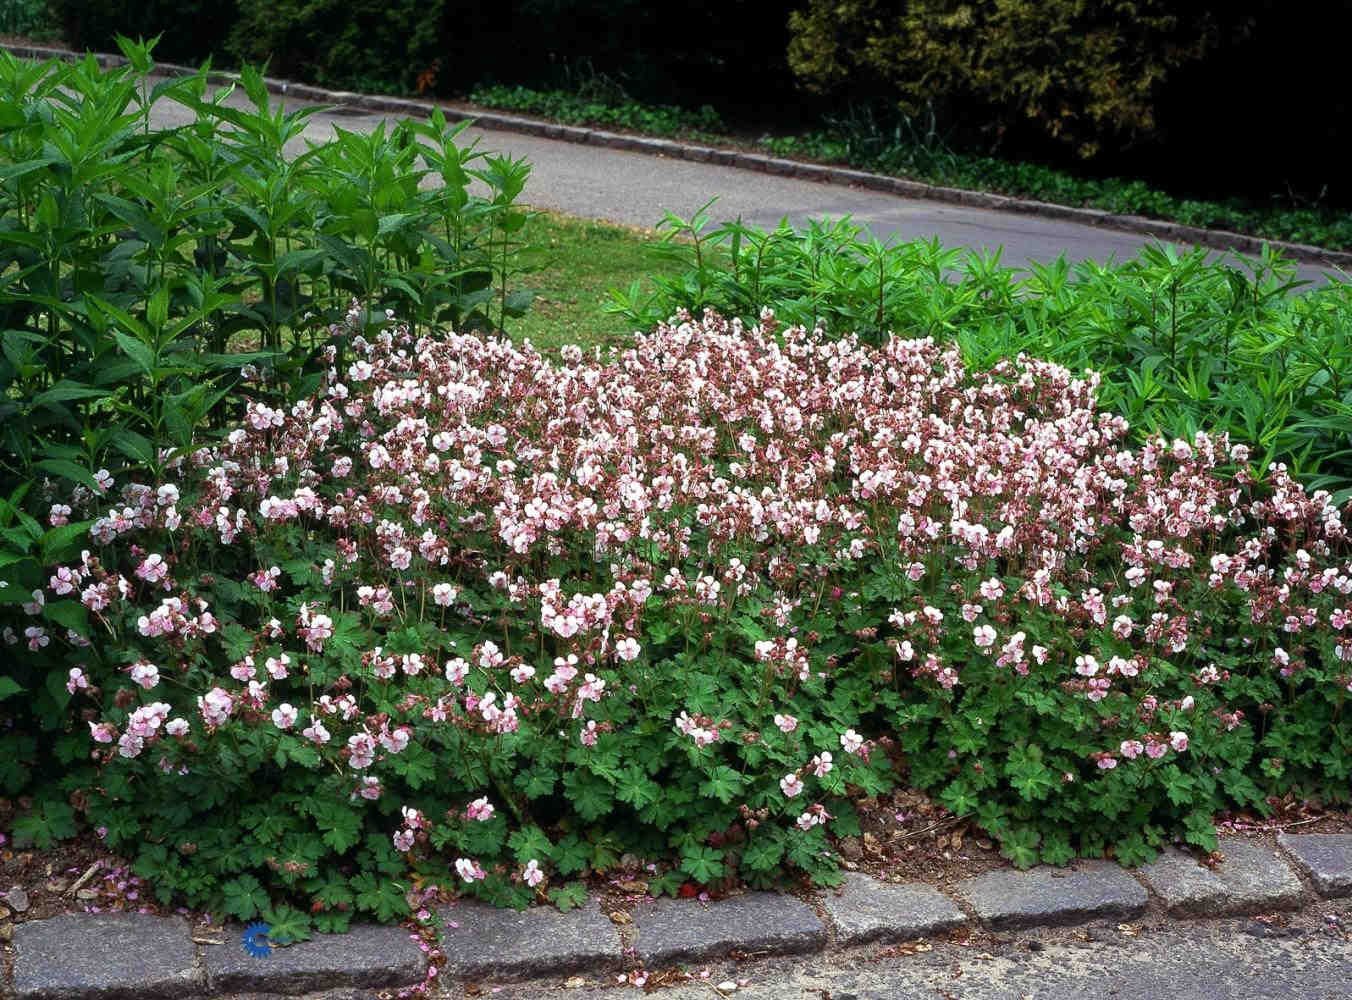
column 113, row 956
column 1219, row 239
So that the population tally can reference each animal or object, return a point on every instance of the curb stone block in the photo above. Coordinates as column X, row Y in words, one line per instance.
column 481, row 941
column 1052, row 897
column 1251, row 879
column 1325, row 857
column 677, row 930
column 104, row 957
column 368, row 955
column 1186, row 886
column 871, row 910
column 1256, row 874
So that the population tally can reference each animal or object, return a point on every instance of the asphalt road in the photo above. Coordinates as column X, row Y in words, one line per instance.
column 635, row 189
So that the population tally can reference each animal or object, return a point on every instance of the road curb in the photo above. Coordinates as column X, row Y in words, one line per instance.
column 1219, row 239
column 95, row 957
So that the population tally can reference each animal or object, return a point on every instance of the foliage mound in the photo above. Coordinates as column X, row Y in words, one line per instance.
column 499, row 620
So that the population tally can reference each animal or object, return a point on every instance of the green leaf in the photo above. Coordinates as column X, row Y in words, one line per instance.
column 1020, row 845
column 50, row 821
column 703, row 864
column 9, row 687
column 65, row 391
column 64, row 542
column 571, row 855
column 569, row 897
column 137, row 351
column 530, row 842
column 68, row 614
column 340, row 825
column 763, row 853
column 69, row 470
column 243, row 897
column 723, row 784
column 381, row 897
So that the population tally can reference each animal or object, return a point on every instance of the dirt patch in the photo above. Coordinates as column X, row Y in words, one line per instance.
column 77, row 876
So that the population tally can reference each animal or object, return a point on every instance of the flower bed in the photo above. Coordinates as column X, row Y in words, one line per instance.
column 499, row 620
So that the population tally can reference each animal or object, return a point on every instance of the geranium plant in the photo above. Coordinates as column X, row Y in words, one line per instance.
column 472, row 615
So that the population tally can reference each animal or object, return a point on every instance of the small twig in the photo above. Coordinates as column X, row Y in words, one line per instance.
column 931, row 828
column 1300, row 822
column 89, row 873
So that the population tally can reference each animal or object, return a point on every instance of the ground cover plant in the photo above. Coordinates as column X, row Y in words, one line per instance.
column 1184, row 342
column 607, row 109
column 472, row 616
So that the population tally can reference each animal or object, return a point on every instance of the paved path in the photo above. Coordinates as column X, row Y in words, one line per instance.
column 635, row 189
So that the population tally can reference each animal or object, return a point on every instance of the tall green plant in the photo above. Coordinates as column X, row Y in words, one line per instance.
column 152, row 280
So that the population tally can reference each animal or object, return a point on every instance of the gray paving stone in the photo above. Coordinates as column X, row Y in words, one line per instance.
column 483, row 942
column 1326, row 858
column 679, row 930
column 104, row 957
column 1054, row 896
column 867, row 909
column 368, row 955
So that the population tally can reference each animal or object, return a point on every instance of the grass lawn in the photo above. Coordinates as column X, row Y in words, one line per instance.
column 582, row 259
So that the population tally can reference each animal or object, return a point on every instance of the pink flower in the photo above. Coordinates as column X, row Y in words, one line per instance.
column 144, row 674
column 1131, row 749
column 284, row 716
column 469, row 870
column 480, row 810
column 216, row 706
column 791, row 785
column 314, row 629
column 627, row 648
column 786, row 723
column 531, row 874
column 1179, row 741
column 851, row 742
column 361, row 751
